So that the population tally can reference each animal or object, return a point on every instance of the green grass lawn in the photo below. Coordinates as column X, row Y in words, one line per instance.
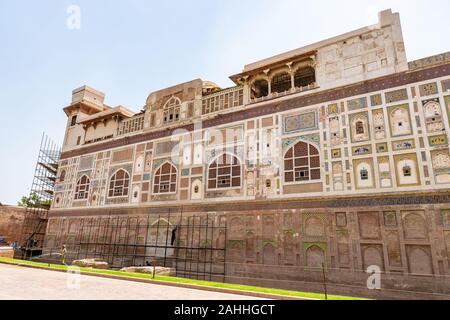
column 281, row 292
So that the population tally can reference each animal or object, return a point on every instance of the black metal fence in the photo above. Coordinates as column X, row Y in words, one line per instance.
column 193, row 246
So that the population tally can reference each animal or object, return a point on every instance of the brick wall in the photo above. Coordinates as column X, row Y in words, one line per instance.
column 11, row 220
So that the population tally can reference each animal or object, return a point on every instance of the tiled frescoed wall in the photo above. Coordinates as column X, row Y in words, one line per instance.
column 392, row 140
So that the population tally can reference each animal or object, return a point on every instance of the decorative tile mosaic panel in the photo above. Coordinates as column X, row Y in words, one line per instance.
column 358, row 151
column 390, row 219
column 438, row 140
column 300, row 122
column 397, row 95
column 336, row 153
column 428, row 89
column 446, row 85
column 376, row 100
column 166, row 147
column 403, row 145
column 382, row 147
column 341, row 219
column 86, row 163
column 333, row 108
column 356, row 104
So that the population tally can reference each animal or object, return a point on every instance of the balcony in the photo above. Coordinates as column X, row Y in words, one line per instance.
column 223, row 100
column 275, row 95
column 131, row 125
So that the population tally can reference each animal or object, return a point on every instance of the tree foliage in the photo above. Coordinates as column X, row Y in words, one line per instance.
column 33, row 201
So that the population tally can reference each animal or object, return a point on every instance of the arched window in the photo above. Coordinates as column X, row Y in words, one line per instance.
column 62, row 177
column 303, row 77
column 224, row 172
column 165, row 180
column 82, row 188
column 302, row 163
column 171, row 110
column 281, row 82
column 119, row 184
column 260, row 88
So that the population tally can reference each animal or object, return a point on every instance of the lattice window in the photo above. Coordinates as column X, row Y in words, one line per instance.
column 165, row 180
column 224, row 172
column 281, row 82
column 119, row 184
column 304, row 77
column 222, row 101
column 82, row 188
column 302, row 163
column 171, row 110
column 131, row 125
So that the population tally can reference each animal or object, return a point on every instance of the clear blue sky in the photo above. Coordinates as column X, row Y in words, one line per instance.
column 128, row 49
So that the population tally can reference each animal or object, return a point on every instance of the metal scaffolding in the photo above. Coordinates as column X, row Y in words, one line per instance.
column 42, row 191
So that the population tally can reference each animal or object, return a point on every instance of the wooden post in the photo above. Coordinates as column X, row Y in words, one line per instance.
column 324, row 281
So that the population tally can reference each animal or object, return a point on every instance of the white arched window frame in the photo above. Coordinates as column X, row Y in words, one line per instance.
column 119, row 184
column 224, row 172
column 82, row 188
column 165, row 179
column 171, row 110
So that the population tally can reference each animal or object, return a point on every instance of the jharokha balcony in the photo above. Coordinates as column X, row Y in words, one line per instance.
column 274, row 95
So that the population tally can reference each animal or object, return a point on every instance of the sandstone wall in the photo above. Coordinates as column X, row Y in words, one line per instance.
column 283, row 245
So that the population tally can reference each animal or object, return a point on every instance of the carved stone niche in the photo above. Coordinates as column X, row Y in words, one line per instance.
column 372, row 255
column 419, row 260
column 415, row 225
column 369, row 225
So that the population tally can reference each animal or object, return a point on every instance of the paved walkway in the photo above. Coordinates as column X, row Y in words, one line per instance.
column 33, row 284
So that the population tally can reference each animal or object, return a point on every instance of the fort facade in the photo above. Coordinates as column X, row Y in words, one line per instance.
column 332, row 157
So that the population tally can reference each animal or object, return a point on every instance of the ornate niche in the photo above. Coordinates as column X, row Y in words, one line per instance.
column 400, row 120
column 334, row 131
column 196, row 189
column 314, row 226
column 372, row 255
column 379, row 124
column 359, row 127
column 369, row 225
column 407, row 170
column 338, row 176
column 139, row 164
column 315, row 256
column 363, row 171
column 384, row 168
column 441, row 166
column 419, row 260
column 433, row 116
column 415, row 225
